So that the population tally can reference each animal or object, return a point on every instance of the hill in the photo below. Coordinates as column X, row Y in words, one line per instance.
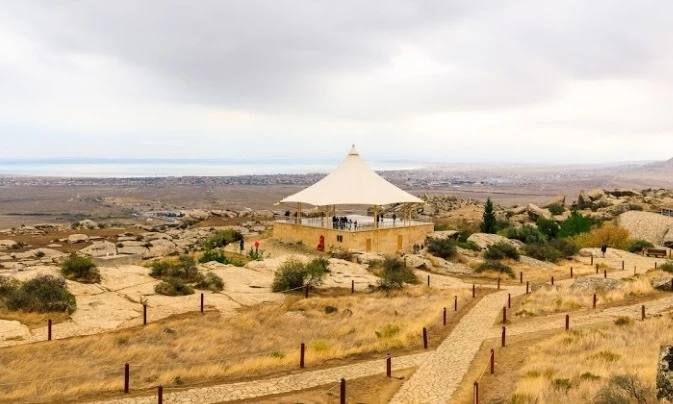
column 659, row 174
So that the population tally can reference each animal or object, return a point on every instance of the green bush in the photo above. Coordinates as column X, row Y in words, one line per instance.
column 222, row 238
column 542, row 252
column 639, row 245
column 212, row 255
column 548, row 227
column 667, row 266
column 527, row 234
column 501, row 250
column 575, row 224
column 468, row 245
column 42, row 294
column 210, row 282
column 395, row 274
column 556, row 208
column 184, row 269
column 497, row 266
column 40, row 254
column 80, row 269
column 566, row 247
column 173, row 287
column 489, row 223
column 442, row 227
column 443, row 248
column 255, row 254
column 294, row 274
column 464, row 235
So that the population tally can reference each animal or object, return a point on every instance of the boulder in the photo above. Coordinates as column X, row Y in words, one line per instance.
column 416, row 261
column 197, row 214
column 662, row 284
column 557, row 200
column 619, row 192
column 87, row 224
column 596, row 194
column 483, row 240
column 39, row 253
column 262, row 214
column 160, row 248
column 653, row 227
column 665, row 374
column 99, row 249
column 517, row 210
column 593, row 284
column 443, row 235
column 583, row 200
column 78, row 238
column 132, row 250
column 8, row 244
column 536, row 212
column 533, row 263
column 365, row 258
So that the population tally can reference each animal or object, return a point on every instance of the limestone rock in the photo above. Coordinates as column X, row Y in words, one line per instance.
column 665, row 374
column 160, row 248
column 536, row 212
column 483, row 240
column 517, row 210
column 557, row 200
column 596, row 194
column 533, row 263
column 262, row 214
column 667, row 240
column 583, row 200
column 443, row 235
column 416, row 261
column 593, row 284
column 8, row 244
column 87, row 224
column 99, row 249
column 78, row 238
column 662, row 284
column 653, row 227
column 197, row 214
column 619, row 192
column 365, row 258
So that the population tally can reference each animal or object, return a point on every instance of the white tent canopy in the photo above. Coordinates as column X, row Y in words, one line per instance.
column 353, row 182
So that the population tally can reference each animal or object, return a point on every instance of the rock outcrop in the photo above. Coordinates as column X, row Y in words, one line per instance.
column 653, row 227
column 536, row 212
column 483, row 240
column 78, row 238
column 665, row 374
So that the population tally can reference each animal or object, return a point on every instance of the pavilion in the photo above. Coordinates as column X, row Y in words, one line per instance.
column 353, row 184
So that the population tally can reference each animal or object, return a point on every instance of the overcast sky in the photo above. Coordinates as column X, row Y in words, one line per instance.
column 473, row 81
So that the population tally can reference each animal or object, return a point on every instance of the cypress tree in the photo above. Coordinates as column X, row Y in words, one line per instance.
column 489, row 225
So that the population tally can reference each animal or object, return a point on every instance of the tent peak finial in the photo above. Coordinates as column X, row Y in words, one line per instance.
column 353, row 152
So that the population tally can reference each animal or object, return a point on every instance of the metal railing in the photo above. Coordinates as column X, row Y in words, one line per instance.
column 353, row 223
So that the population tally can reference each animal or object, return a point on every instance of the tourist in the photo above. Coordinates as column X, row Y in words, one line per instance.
column 241, row 245
column 394, row 219
column 350, row 224
column 604, row 249
column 355, row 224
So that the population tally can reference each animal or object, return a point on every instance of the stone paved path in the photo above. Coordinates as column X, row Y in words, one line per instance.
column 289, row 383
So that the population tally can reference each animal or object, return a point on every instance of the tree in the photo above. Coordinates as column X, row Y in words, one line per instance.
column 489, row 224
column 548, row 227
column 574, row 225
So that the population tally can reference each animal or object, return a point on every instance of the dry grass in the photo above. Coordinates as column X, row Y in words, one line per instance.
column 556, row 299
column 33, row 320
column 261, row 341
column 575, row 366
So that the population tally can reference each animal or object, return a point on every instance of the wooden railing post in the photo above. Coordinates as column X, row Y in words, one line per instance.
column 389, row 366
column 492, row 361
column 127, row 376
column 302, row 351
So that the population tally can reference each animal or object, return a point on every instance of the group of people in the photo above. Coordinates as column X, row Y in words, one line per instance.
column 381, row 218
column 343, row 223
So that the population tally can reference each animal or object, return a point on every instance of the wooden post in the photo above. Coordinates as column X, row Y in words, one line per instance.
column 428, row 280
column 201, row 302
column 306, row 291
column 509, row 300
column 455, row 301
column 474, row 291
column 571, row 272
column 425, row 338
column 49, row 330
column 444, row 317
column 498, row 283
column 302, row 351
column 634, row 271
column 527, row 287
column 594, row 300
column 144, row 314
column 552, row 281
column 655, row 264
column 592, row 259
column 160, row 395
column 492, row 361
column 352, row 286
column 127, row 374
column 521, row 278
column 643, row 310
column 596, row 268
column 623, row 263
column 567, row 322
column 342, row 395
column 605, row 273
column 671, row 284
column 504, row 315
column 476, row 393
column 504, row 336
column 389, row 366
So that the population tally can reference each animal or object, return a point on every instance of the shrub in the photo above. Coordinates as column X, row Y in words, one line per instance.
column 341, row 254
column 639, row 245
column 563, row 385
column 566, row 247
column 575, row 224
column 442, row 227
column 527, row 234
column 80, row 269
column 295, row 274
column 184, row 269
column 211, row 255
column 40, row 254
column 542, row 252
column 588, row 376
column 469, row 245
column 443, row 248
column 501, row 250
column 623, row 321
column 395, row 274
column 388, row 331
column 556, row 208
column 497, row 266
column 173, row 287
column 210, row 282
column 42, row 294
column 667, row 266
column 548, row 227
column 222, row 238
column 609, row 233
column 331, row 309
column 489, row 222
column 464, row 235
column 633, row 206
column 255, row 254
